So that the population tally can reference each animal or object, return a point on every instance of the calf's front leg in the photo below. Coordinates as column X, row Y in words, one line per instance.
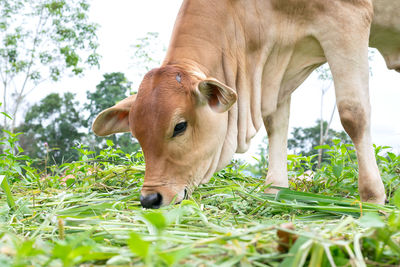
column 277, row 125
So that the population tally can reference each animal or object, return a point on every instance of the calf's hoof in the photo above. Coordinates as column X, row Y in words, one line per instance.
column 376, row 195
column 274, row 191
column 374, row 199
column 271, row 191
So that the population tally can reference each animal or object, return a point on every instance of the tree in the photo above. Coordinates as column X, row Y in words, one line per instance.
column 53, row 126
column 260, row 168
column 40, row 41
column 325, row 75
column 147, row 53
column 304, row 140
column 110, row 91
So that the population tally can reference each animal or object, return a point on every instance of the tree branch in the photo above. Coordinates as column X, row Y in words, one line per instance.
column 20, row 94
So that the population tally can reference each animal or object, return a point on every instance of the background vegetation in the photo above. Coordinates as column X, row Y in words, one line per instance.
column 88, row 212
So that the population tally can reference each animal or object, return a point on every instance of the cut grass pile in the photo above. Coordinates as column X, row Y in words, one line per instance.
column 88, row 213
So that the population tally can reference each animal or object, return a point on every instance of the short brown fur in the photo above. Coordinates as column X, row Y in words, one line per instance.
column 304, row 9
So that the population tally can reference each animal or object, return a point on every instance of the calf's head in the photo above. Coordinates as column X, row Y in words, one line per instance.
column 180, row 120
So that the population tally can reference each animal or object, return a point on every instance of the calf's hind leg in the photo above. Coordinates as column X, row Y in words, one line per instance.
column 348, row 60
column 355, row 118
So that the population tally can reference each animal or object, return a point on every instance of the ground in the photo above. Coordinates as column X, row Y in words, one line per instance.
column 88, row 213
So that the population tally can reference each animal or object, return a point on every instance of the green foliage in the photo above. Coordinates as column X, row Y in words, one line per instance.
column 11, row 162
column 52, row 127
column 11, row 156
column 88, row 212
column 41, row 40
column 324, row 73
column 138, row 246
column 260, row 168
column 338, row 173
column 112, row 89
column 146, row 53
column 305, row 140
column 389, row 166
column 6, row 187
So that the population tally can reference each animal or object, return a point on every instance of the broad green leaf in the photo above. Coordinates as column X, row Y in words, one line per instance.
column 138, row 246
column 336, row 141
column 61, row 251
column 322, row 147
column 157, row 219
column 174, row 256
column 337, row 170
column 396, row 198
column 97, row 256
column 28, row 249
column 70, row 181
column 79, row 253
column 372, row 220
column 110, row 142
column 392, row 156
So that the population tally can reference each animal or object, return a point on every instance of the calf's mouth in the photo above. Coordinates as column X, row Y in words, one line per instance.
column 155, row 200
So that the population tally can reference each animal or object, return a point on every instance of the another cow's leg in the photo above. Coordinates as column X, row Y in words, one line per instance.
column 347, row 56
column 276, row 125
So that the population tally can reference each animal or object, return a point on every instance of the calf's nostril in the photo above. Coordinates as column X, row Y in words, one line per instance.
column 152, row 201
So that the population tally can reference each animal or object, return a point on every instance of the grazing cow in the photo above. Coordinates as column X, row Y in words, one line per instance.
column 231, row 66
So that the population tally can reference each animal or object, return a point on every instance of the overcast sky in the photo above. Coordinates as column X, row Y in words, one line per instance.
column 122, row 22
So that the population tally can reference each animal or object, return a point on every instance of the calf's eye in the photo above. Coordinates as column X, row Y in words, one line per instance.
column 180, row 128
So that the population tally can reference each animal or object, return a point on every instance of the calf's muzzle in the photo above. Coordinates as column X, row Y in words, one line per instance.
column 151, row 201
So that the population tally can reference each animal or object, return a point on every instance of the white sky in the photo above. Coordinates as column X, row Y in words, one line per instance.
column 122, row 22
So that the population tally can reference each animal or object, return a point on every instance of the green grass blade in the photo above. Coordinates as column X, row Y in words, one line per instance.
column 293, row 259
column 317, row 255
column 6, row 188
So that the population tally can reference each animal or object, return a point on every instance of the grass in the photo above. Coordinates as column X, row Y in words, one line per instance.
column 88, row 213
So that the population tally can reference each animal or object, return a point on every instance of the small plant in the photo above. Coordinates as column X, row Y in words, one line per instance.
column 12, row 161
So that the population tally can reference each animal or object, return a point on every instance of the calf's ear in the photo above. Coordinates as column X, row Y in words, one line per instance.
column 219, row 96
column 115, row 119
